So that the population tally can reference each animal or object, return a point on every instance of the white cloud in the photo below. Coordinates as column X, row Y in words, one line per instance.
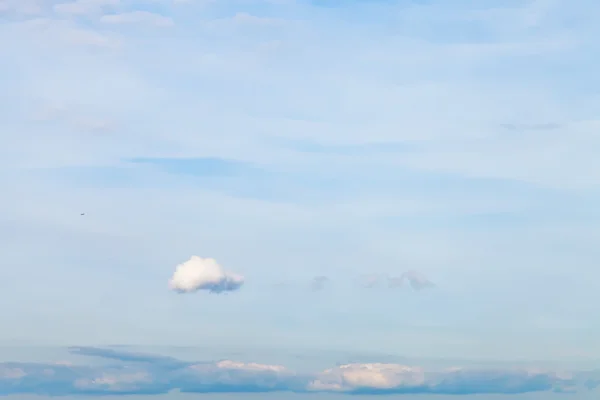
column 397, row 378
column 204, row 274
column 236, row 365
column 377, row 375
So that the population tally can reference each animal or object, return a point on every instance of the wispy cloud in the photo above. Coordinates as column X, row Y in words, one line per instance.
column 57, row 33
column 532, row 127
column 415, row 279
column 137, row 17
column 148, row 374
column 86, row 7
column 319, row 283
column 200, row 166
column 22, row 7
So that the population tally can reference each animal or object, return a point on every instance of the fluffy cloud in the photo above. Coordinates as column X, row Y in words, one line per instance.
column 199, row 273
column 147, row 374
column 375, row 376
column 394, row 378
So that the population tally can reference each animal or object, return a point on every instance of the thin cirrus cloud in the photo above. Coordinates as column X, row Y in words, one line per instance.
column 199, row 273
column 315, row 284
column 146, row 374
column 83, row 7
column 108, row 12
column 133, row 17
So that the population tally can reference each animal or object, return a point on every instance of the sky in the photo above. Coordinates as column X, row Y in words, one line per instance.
column 411, row 181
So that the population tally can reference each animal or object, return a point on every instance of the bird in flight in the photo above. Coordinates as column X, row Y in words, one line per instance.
column 82, row 214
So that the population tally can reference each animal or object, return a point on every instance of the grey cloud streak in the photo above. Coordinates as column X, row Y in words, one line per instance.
column 319, row 283
column 415, row 279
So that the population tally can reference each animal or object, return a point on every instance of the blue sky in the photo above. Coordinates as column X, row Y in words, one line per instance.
column 294, row 140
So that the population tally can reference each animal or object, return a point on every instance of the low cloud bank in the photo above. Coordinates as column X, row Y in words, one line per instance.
column 134, row 373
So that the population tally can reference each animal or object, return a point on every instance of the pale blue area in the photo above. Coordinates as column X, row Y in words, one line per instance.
column 292, row 140
column 397, row 148
column 268, row 183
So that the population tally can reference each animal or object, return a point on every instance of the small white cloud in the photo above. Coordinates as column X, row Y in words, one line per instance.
column 237, row 365
column 137, row 17
column 204, row 274
column 396, row 378
column 377, row 376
